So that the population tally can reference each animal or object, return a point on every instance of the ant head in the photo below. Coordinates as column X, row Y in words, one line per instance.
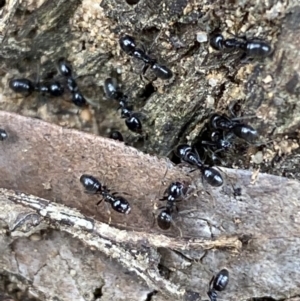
column 219, row 122
column 127, row 44
column 116, row 135
column 182, row 150
column 64, row 67
column 175, row 190
column 216, row 41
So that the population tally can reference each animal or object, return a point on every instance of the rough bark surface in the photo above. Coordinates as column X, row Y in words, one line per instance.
column 57, row 244
column 254, row 235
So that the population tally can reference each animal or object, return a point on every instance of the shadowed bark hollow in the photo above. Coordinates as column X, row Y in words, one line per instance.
column 55, row 241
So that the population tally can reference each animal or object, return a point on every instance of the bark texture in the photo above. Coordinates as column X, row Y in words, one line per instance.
column 56, row 244
column 254, row 235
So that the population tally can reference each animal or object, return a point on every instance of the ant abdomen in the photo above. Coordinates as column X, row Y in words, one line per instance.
column 245, row 132
column 164, row 219
column 257, row 49
column 162, row 72
column 90, row 183
column 121, row 205
column 212, row 176
column 22, row 85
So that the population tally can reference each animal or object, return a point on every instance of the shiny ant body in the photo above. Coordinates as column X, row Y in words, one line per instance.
column 132, row 121
column 2, row 3
column 174, row 192
column 93, row 186
column 116, row 135
column 27, row 87
column 218, row 284
column 189, row 155
column 250, row 47
column 65, row 69
column 128, row 45
column 113, row 92
column 241, row 130
column 3, row 134
column 217, row 140
column 219, row 135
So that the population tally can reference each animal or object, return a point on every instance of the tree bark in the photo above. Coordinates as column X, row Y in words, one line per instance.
column 54, row 240
column 254, row 235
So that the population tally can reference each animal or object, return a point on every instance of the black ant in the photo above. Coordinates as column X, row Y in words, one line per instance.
column 112, row 92
column 174, row 192
column 65, row 69
column 22, row 86
column 189, row 155
column 93, row 186
column 218, row 284
column 132, row 121
column 128, row 45
column 3, row 135
column 217, row 140
column 116, row 135
column 224, row 123
column 250, row 47
column 26, row 87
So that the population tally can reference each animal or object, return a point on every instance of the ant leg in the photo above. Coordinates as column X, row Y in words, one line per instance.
column 154, row 218
column 142, row 75
column 211, row 281
column 175, row 226
column 196, row 152
column 163, row 183
column 208, row 143
column 99, row 202
column 155, row 41
column 107, row 210
column 230, row 108
column 243, row 37
column 243, row 117
column 90, row 192
column 91, row 102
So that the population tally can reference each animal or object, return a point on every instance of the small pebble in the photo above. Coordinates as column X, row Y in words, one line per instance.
column 202, row 37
